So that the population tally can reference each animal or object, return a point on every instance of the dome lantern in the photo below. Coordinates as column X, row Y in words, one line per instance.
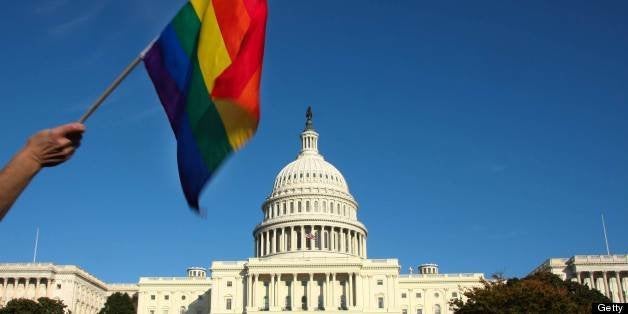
column 309, row 137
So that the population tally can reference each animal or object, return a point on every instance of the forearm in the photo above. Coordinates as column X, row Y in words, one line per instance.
column 14, row 178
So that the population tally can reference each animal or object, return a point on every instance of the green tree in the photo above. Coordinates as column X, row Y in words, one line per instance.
column 50, row 306
column 538, row 293
column 118, row 303
column 26, row 306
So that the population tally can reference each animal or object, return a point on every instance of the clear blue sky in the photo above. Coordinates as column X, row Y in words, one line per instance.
column 483, row 136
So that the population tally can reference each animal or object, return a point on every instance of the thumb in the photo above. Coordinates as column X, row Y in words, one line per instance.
column 66, row 129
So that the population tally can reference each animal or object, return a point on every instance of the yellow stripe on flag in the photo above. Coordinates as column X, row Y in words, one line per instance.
column 213, row 56
column 199, row 7
column 239, row 124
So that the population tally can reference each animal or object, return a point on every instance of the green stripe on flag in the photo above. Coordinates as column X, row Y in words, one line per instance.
column 187, row 25
column 207, row 126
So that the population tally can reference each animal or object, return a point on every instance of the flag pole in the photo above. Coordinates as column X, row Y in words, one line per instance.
column 129, row 68
column 608, row 251
column 36, row 242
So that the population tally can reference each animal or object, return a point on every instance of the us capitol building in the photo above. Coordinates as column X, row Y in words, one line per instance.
column 310, row 254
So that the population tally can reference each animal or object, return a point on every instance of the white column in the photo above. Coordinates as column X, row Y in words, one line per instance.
column 302, row 237
column 311, row 238
column 606, row 290
column 249, row 282
column 321, row 237
column 342, row 240
column 396, row 294
column 328, row 296
column 282, row 235
column 389, row 292
column 333, row 292
column 620, row 291
column 308, row 292
column 255, row 289
column 267, row 240
column 358, row 290
column 592, row 279
column 292, row 239
column 293, row 292
column 350, row 291
column 324, row 295
column 271, row 292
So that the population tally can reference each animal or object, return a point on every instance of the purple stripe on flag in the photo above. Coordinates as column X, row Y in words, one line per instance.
column 171, row 97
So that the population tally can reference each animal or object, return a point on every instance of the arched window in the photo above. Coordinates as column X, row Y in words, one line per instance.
column 437, row 309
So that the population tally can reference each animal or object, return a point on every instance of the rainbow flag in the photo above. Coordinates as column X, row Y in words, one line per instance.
column 206, row 68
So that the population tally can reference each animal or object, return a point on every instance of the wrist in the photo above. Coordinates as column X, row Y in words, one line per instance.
column 28, row 161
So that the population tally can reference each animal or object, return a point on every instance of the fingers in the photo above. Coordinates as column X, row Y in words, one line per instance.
column 54, row 146
column 66, row 129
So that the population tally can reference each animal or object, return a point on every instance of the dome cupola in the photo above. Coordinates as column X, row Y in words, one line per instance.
column 310, row 209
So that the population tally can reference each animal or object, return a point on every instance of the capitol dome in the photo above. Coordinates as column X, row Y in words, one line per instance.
column 310, row 209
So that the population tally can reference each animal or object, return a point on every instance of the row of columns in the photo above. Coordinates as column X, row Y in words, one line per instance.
column 293, row 238
column 263, row 291
column 20, row 287
column 616, row 290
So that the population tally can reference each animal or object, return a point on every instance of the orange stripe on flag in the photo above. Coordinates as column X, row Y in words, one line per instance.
column 234, row 21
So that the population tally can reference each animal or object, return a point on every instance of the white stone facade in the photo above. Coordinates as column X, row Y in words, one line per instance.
column 310, row 254
column 606, row 273
column 80, row 291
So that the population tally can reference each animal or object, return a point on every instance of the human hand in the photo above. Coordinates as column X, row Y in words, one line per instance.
column 54, row 146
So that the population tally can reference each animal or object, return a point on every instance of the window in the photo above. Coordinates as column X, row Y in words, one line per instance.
column 380, row 302
column 152, row 297
column 166, row 297
column 454, row 294
column 436, row 309
column 418, row 294
column 299, row 206
column 419, row 311
column 436, row 295
column 200, row 296
column 229, row 284
column 183, row 297
column 380, row 282
column 307, row 206
column 151, row 312
column 403, row 295
column 292, row 207
column 404, row 311
column 228, row 303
